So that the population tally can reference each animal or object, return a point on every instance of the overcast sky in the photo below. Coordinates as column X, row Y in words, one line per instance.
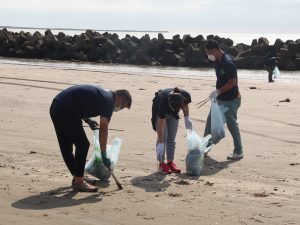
column 249, row 16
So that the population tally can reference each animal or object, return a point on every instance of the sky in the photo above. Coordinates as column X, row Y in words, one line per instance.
column 239, row 16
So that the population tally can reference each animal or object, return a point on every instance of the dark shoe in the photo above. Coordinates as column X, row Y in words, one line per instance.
column 163, row 168
column 173, row 168
column 235, row 156
column 83, row 187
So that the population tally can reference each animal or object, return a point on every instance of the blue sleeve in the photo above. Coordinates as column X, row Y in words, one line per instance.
column 230, row 71
column 108, row 114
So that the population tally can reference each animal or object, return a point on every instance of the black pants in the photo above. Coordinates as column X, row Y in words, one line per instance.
column 69, row 132
column 270, row 72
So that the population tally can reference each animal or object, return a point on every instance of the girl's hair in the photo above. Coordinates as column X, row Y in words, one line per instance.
column 176, row 99
column 176, row 90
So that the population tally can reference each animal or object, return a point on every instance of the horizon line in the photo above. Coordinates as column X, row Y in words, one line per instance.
column 82, row 29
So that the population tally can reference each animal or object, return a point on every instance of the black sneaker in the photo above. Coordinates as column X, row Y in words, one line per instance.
column 235, row 156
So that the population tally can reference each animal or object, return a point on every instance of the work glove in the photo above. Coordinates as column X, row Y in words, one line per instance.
column 214, row 94
column 188, row 123
column 92, row 124
column 160, row 151
column 106, row 160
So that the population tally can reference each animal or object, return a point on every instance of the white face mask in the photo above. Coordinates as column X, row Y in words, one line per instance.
column 211, row 57
column 117, row 108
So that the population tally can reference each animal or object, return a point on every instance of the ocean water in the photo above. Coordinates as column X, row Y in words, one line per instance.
column 183, row 72
column 245, row 38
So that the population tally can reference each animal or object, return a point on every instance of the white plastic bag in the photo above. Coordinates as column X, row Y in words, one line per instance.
column 113, row 151
column 276, row 72
column 217, row 121
column 194, row 160
column 95, row 165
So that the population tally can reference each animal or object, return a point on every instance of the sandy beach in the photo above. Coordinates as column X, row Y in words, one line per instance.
column 262, row 188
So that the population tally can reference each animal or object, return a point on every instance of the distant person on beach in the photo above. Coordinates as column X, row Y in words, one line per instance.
column 165, row 118
column 67, row 111
column 226, row 93
column 270, row 65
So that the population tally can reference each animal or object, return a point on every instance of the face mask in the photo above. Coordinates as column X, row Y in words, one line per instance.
column 117, row 108
column 211, row 57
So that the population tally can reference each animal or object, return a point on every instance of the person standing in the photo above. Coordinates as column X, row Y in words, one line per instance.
column 165, row 115
column 226, row 93
column 68, row 109
column 270, row 65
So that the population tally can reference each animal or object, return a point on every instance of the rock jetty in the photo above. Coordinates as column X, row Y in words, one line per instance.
column 109, row 48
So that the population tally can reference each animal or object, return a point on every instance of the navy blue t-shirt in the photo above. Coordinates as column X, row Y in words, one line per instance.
column 87, row 101
column 163, row 103
column 271, row 61
column 226, row 70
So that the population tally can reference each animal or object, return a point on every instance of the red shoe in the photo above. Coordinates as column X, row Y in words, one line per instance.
column 163, row 168
column 172, row 166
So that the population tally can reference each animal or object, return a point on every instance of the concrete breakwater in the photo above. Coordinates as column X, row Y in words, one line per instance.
column 109, row 48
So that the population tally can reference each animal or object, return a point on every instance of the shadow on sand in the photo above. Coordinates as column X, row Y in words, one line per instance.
column 212, row 166
column 57, row 198
column 157, row 182
column 154, row 182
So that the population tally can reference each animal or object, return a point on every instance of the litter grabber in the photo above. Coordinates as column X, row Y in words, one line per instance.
column 116, row 180
column 203, row 102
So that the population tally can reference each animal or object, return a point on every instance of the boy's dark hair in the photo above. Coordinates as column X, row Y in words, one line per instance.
column 125, row 95
column 212, row 44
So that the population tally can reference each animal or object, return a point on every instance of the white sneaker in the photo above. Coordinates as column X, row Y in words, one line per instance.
column 235, row 156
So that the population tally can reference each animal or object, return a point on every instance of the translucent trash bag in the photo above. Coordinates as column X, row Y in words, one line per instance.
column 95, row 165
column 276, row 72
column 194, row 160
column 113, row 151
column 217, row 121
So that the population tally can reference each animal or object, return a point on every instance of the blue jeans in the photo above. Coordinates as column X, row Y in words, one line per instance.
column 231, row 120
column 169, row 136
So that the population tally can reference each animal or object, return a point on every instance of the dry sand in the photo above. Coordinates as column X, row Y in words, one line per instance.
column 263, row 188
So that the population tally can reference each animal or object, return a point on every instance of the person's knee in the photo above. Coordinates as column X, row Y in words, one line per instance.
column 83, row 144
column 233, row 126
column 231, row 120
column 86, row 144
column 171, row 144
column 171, row 137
